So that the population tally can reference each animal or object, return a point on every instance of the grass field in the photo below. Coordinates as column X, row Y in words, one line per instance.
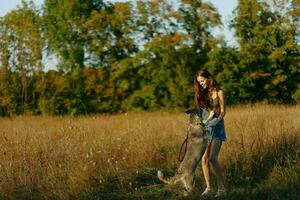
column 116, row 156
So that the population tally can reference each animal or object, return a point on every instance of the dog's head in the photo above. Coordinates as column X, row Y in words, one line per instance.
column 195, row 115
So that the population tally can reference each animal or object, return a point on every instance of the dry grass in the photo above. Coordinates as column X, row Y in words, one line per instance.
column 76, row 157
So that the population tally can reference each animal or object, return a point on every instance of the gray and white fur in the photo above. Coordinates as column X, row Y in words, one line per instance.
column 196, row 145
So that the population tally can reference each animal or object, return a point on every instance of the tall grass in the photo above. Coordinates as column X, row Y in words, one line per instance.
column 116, row 156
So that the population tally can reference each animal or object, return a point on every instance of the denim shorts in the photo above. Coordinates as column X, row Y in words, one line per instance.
column 218, row 132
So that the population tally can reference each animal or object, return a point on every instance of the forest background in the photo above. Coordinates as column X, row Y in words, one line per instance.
column 143, row 55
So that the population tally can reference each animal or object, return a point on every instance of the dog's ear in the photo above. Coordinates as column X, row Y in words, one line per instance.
column 189, row 111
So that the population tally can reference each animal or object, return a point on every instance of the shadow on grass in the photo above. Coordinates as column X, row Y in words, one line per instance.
column 265, row 193
column 269, row 175
column 253, row 168
column 23, row 192
column 145, row 185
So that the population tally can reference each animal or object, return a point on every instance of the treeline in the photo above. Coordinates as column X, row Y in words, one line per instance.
column 142, row 55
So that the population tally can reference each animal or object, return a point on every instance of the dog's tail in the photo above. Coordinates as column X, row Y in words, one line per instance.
column 170, row 180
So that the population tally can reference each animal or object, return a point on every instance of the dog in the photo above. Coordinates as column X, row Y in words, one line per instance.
column 197, row 142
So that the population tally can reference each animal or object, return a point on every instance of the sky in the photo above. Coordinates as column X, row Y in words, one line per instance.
column 8, row 5
column 224, row 7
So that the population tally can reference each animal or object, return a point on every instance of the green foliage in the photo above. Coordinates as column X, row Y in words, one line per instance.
column 109, row 35
column 64, row 31
column 53, row 91
column 46, row 106
column 269, row 51
column 224, row 61
column 7, row 97
column 143, row 55
column 162, row 70
column 21, row 57
column 296, row 95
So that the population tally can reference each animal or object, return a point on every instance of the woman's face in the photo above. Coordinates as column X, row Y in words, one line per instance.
column 202, row 81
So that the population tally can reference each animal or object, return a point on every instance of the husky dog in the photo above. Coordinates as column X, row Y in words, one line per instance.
column 197, row 141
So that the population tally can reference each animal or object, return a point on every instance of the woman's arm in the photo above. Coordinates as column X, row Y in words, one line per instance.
column 210, row 117
column 222, row 104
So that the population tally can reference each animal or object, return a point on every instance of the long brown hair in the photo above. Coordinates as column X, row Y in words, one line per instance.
column 202, row 96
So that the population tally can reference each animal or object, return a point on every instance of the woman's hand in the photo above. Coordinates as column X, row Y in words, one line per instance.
column 211, row 114
column 213, row 122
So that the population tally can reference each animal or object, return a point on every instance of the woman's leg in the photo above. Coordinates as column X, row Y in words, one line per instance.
column 213, row 157
column 205, row 165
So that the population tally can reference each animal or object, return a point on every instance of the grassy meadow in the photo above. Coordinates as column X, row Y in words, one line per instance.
column 116, row 156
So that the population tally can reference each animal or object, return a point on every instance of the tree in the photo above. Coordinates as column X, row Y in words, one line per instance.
column 22, row 45
column 64, row 31
column 109, row 38
column 224, row 65
column 267, row 34
column 197, row 19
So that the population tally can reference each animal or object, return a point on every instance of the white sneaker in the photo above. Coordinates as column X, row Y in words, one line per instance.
column 220, row 192
column 207, row 191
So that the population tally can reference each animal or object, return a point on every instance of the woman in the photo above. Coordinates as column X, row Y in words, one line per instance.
column 209, row 96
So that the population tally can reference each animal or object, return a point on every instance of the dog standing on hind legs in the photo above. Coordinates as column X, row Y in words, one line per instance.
column 197, row 141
